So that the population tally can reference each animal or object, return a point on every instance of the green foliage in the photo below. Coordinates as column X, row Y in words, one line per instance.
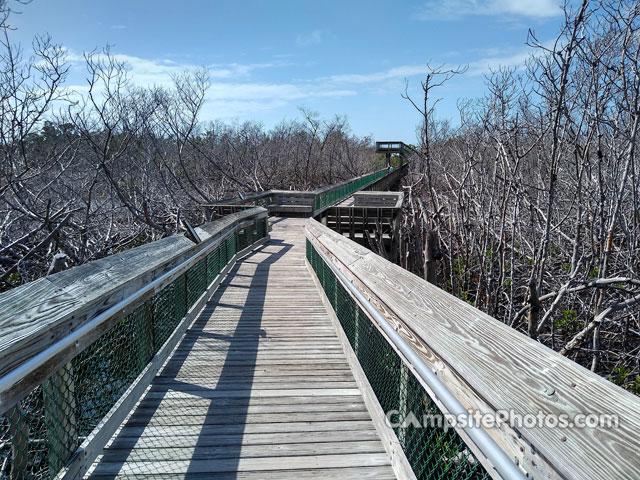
column 620, row 378
column 15, row 278
column 569, row 317
column 593, row 273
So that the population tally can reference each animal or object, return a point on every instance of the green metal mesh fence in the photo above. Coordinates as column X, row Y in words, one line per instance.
column 263, row 202
column 433, row 450
column 38, row 435
column 332, row 196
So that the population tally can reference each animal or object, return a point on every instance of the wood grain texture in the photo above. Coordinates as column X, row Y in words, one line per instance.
column 37, row 314
column 490, row 364
column 259, row 387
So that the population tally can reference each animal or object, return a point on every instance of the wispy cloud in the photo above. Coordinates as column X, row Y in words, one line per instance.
column 395, row 72
column 118, row 27
column 145, row 72
column 233, row 91
column 483, row 65
column 238, row 91
column 315, row 37
column 455, row 9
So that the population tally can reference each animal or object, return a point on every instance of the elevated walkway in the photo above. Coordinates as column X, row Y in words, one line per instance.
column 259, row 387
column 233, row 353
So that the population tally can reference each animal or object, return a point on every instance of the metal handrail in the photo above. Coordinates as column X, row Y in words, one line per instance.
column 499, row 459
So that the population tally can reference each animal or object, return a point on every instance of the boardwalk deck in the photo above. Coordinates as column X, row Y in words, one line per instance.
column 259, row 387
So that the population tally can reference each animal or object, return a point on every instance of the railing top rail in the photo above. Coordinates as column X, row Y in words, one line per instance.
column 492, row 368
column 498, row 458
column 334, row 186
column 39, row 313
column 237, row 200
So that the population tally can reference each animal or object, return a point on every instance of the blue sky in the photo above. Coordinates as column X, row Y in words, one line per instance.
column 269, row 58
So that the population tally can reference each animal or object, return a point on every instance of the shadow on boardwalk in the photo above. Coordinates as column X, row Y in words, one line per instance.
column 197, row 406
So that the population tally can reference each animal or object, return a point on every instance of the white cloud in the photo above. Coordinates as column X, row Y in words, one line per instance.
column 395, row 72
column 454, row 9
column 232, row 92
column 313, row 38
column 491, row 61
column 284, row 92
column 145, row 72
column 484, row 65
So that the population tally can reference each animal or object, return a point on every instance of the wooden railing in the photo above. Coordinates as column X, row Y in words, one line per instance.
column 305, row 204
column 78, row 348
column 491, row 369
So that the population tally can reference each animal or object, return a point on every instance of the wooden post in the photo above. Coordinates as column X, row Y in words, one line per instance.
column 352, row 233
column 395, row 238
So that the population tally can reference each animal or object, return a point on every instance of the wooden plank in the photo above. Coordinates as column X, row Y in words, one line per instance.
column 202, row 408
column 245, row 439
column 169, row 452
column 245, row 419
column 262, row 428
column 243, row 464
column 347, row 473
column 262, row 368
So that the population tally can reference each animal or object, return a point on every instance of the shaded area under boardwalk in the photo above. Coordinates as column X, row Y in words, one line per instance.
column 258, row 388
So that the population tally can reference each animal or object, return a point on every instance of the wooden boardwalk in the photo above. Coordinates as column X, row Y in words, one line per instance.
column 259, row 387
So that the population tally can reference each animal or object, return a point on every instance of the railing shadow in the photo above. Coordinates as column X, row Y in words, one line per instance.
column 193, row 417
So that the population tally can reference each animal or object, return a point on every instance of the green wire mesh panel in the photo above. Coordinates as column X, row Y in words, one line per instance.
column 263, row 202
column 196, row 282
column 169, row 307
column 38, row 434
column 260, row 228
column 230, row 248
column 245, row 237
column 42, row 430
column 332, row 196
column 434, row 451
column 213, row 265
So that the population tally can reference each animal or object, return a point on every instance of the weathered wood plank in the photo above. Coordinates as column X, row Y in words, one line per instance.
column 245, row 439
column 347, row 473
column 245, row 464
column 168, row 452
column 259, row 384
